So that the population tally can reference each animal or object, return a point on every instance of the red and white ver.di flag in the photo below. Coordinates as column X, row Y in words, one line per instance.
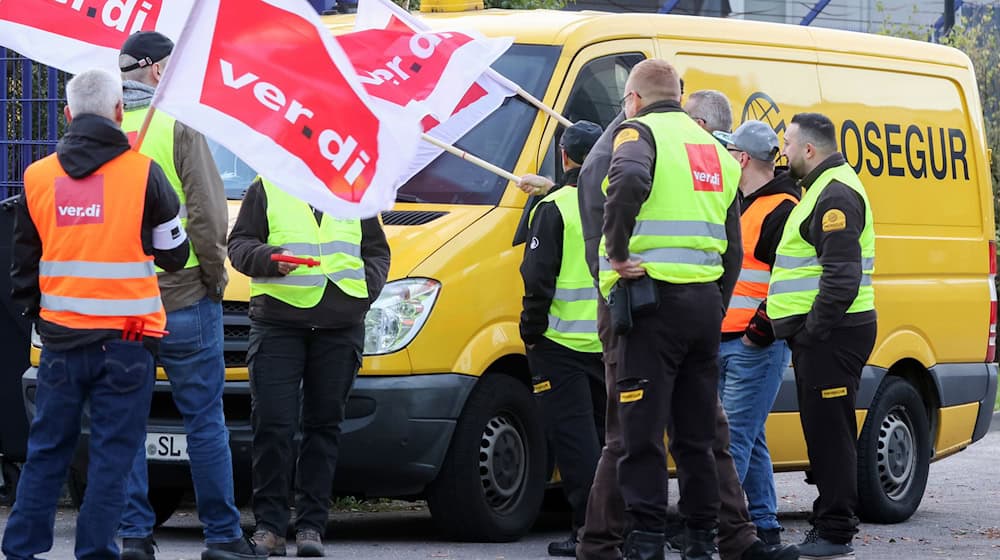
column 76, row 35
column 482, row 98
column 424, row 70
column 265, row 79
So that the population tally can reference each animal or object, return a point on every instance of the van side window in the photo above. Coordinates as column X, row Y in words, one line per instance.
column 595, row 97
column 600, row 85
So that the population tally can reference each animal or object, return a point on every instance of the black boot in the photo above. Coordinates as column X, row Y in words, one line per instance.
column 699, row 544
column 761, row 551
column 643, row 545
column 138, row 549
column 565, row 547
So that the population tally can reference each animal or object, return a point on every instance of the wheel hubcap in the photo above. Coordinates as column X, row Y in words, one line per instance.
column 896, row 453
column 502, row 461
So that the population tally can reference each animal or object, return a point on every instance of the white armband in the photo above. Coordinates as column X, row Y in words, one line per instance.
column 169, row 235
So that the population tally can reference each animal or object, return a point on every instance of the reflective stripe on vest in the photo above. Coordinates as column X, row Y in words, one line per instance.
column 680, row 231
column 573, row 312
column 93, row 272
column 751, row 286
column 158, row 143
column 335, row 243
column 797, row 270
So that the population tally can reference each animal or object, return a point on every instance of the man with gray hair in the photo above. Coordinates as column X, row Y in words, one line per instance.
column 93, row 219
column 751, row 361
column 192, row 353
column 710, row 109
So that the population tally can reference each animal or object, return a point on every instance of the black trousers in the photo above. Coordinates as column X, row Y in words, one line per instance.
column 293, row 369
column 827, row 374
column 668, row 374
column 569, row 388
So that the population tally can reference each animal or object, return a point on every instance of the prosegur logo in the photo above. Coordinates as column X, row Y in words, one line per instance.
column 760, row 107
column 79, row 201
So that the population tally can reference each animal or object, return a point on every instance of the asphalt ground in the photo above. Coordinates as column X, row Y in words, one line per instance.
column 959, row 518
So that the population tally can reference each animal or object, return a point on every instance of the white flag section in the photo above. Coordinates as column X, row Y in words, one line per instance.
column 265, row 79
column 76, row 35
column 484, row 97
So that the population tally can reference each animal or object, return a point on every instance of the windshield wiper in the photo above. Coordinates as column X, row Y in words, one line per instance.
column 405, row 197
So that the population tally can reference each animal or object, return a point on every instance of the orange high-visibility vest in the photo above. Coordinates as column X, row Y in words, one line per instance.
column 94, row 273
column 751, row 288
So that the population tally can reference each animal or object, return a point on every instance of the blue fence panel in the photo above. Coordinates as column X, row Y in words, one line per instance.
column 31, row 103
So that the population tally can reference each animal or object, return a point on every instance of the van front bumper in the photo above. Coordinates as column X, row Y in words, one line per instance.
column 394, row 438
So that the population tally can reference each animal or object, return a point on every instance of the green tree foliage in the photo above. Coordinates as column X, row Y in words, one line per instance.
column 977, row 34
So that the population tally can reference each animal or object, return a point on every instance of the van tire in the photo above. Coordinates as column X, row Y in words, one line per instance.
column 164, row 501
column 893, row 454
column 473, row 498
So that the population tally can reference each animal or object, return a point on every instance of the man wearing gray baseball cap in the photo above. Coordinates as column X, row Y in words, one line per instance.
column 751, row 361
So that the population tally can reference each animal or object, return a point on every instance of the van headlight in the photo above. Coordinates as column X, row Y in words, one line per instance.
column 36, row 339
column 398, row 314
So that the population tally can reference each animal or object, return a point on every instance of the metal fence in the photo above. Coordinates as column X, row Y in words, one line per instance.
column 31, row 119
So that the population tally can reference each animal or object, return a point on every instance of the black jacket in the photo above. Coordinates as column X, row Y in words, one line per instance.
column 541, row 264
column 839, row 253
column 759, row 330
column 250, row 254
column 630, row 179
column 591, row 196
column 90, row 142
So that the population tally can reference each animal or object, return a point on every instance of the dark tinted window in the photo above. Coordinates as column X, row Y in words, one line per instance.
column 236, row 174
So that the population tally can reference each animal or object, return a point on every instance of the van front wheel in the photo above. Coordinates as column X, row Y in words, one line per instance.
column 492, row 482
column 893, row 454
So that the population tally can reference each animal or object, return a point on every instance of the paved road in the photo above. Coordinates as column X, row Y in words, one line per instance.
column 959, row 518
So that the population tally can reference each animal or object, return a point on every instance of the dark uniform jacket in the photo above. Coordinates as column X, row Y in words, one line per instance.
column 90, row 142
column 591, row 196
column 631, row 173
column 542, row 260
column 251, row 255
column 839, row 253
column 759, row 331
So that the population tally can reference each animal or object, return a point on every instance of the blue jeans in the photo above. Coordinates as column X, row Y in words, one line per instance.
column 192, row 357
column 749, row 381
column 116, row 378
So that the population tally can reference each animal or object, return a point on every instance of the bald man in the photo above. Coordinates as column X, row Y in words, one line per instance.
column 672, row 244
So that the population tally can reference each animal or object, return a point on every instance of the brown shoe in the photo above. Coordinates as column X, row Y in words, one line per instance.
column 309, row 544
column 269, row 543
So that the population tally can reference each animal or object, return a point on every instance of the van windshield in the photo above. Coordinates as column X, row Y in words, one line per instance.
column 499, row 140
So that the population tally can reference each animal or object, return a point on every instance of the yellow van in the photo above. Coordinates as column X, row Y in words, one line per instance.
column 443, row 408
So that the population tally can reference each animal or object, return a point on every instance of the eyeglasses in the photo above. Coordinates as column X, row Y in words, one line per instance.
column 627, row 95
column 731, row 150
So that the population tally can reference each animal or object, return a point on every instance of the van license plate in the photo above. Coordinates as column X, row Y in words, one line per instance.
column 166, row 447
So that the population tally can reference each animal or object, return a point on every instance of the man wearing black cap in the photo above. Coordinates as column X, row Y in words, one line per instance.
column 192, row 353
column 559, row 329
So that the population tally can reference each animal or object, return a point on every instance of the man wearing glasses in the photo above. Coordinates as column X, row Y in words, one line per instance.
column 751, row 361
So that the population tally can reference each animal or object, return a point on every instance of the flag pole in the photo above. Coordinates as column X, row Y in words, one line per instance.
column 471, row 158
column 142, row 129
column 543, row 107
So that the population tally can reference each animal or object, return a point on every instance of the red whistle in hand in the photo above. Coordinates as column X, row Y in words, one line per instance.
column 279, row 257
